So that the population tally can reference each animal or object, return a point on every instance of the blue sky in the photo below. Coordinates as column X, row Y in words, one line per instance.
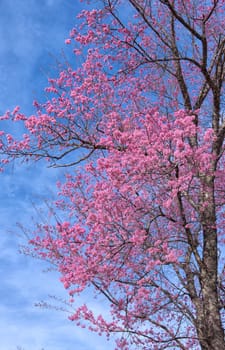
column 32, row 35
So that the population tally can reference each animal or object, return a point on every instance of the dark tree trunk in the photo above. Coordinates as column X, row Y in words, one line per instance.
column 209, row 325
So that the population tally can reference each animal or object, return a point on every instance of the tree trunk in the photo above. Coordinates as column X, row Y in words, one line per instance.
column 209, row 324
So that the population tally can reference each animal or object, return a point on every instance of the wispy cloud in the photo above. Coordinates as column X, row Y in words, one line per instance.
column 30, row 31
column 23, row 282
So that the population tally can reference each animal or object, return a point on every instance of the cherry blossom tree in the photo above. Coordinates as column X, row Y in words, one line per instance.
column 142, row 122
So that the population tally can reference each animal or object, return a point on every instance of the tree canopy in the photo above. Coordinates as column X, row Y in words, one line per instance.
column 139, row 127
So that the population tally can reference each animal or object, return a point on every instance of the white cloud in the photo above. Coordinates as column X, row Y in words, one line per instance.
column 21, row 323
column 23, row 282
column 29, row 31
